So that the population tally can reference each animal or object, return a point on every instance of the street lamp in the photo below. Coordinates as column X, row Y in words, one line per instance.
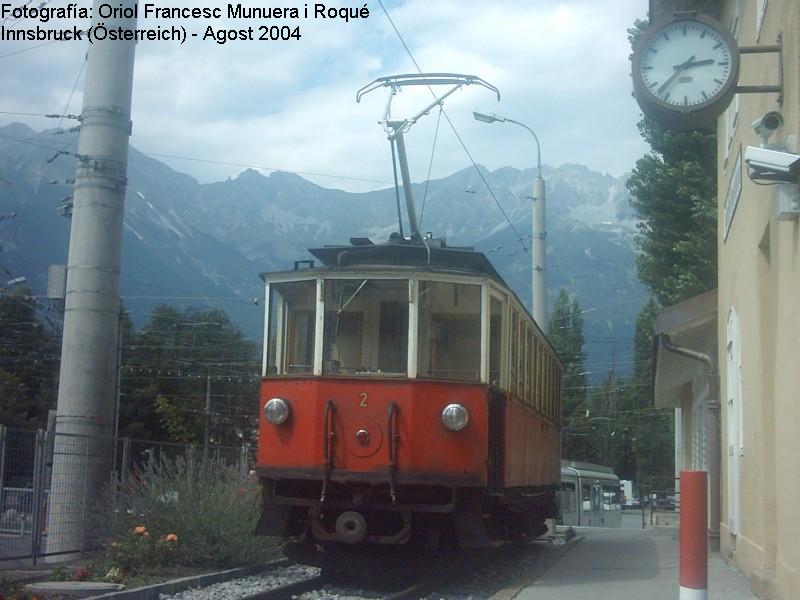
column 539, row 278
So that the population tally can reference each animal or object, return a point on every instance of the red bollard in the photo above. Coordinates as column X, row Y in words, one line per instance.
column 694, row 535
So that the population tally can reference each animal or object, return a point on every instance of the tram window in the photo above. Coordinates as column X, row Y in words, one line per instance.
column 512, row 383
column 521, row 359
column 393, row 336
column 290, row 348
column 526, row 365
column 567, row 496
column 586, row 496
column 449, row 331
column 495, row 340
column 366, row 327
column 611, row 500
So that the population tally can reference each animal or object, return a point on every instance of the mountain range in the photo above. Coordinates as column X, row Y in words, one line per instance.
column 191, row 244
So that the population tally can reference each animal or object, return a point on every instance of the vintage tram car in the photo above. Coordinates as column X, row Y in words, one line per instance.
column 407, row 397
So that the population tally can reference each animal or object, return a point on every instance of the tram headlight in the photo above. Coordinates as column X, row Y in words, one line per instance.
column 276, row 411
column 455, row 417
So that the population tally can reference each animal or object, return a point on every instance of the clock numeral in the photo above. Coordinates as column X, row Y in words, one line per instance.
column 705, row 96
column 724, row 63
column 718, row 46
column 702, row 35
column 666, row 97
column 717, row 81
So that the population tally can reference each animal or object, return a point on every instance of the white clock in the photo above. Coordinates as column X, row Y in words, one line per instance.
column 685, row 71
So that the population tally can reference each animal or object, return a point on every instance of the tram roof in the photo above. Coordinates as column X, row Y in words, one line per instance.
column 430, row 255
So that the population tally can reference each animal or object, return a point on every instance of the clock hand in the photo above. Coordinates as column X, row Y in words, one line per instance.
column 698, row 63
column 677, row 72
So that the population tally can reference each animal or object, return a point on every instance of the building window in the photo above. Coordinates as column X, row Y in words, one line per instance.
column 732, row 196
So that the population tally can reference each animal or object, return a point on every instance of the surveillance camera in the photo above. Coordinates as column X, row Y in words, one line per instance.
column 767, row 124
column 772, row 165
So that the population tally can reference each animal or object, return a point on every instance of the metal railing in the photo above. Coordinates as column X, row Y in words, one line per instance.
column 39, row 513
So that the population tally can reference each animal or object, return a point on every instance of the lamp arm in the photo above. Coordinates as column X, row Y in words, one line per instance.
column 538, row 147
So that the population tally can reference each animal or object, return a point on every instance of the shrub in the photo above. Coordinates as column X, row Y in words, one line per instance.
column 186, row 511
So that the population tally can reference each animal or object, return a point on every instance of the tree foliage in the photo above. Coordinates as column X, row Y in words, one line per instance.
column 675, row 197
column 566, row 335
column 171, row 364
column 29, row 349
column 167, row 367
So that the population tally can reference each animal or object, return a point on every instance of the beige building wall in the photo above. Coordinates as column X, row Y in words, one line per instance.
column 759, row 317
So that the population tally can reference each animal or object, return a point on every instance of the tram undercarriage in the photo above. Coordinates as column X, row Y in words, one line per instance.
column 428, row 517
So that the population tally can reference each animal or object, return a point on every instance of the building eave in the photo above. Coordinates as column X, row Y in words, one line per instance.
column 690, row 324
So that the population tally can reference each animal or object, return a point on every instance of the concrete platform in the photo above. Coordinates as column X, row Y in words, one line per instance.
column 621, row 564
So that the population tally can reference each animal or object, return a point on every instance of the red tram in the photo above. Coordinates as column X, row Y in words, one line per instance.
column 407, row 398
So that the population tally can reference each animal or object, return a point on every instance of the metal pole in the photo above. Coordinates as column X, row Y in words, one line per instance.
column 2, row 461
column 36, row 501
column 539, row 246
column 693, row 538
column 207, row 427
column 403, row 158
column 88, row 355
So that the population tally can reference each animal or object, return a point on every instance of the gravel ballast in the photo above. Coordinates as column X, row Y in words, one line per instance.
column 245, row 586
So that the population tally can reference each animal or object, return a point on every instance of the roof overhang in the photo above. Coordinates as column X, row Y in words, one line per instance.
column 692, row 324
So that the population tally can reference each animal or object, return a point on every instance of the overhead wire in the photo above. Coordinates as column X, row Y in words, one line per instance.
column 430, row 166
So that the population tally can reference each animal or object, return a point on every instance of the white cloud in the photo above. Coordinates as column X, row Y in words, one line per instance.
column 562, row 68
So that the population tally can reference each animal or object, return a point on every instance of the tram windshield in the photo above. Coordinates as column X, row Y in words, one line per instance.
column 366, row 327
column 365, row 331
column 449, row 331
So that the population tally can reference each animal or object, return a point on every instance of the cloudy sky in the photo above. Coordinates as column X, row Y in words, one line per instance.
column 561, row 66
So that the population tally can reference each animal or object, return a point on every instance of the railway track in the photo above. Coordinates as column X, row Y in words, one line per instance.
column 448, row 576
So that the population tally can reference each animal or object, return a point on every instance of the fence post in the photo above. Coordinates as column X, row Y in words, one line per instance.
column 39, row 470
column 243, row 452
column 84, row 507
column 126, row 459
column 2, row 463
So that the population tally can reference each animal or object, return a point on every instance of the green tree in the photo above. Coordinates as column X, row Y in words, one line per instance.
column 28, row 361
column 674, row 194
column 566, row 335
column 167, row 367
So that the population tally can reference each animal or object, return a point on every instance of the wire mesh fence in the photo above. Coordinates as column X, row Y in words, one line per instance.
column 49, row 479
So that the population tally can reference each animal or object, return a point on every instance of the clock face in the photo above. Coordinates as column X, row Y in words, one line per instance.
column 686, row 64
column 685, row 71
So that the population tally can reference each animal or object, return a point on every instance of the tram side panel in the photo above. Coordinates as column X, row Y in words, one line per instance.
column 532, row 447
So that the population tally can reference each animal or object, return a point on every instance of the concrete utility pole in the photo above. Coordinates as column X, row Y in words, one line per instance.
column 539, row 247
column 85, row 413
